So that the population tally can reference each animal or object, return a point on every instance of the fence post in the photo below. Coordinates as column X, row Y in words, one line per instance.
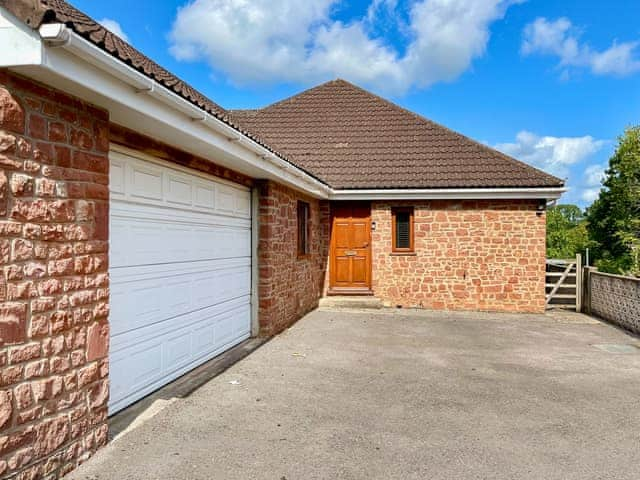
column 586, row 298
column 579, row 284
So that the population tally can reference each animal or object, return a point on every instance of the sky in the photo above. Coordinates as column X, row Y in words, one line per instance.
column 552, row 83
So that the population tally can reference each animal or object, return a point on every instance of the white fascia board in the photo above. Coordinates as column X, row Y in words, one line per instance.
column 450, row 194
column 19, row 44
column 70, row 63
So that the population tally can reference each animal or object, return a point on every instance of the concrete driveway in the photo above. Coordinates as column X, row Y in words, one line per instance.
column 404, row 395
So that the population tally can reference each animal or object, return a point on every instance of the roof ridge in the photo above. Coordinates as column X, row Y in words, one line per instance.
column 242, row 111
column 301, row 93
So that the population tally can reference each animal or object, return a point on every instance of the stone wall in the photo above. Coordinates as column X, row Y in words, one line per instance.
column 289, row 286
column 616, row 299
column 53, row 279
column 469, row 255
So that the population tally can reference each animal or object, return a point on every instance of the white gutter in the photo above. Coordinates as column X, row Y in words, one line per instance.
column 550, row 193
column 60, row 36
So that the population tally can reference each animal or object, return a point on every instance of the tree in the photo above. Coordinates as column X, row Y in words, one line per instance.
column 614, row 218
column 566, row 231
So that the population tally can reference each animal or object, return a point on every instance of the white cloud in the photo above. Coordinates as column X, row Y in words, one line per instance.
column 594, row 174
column 560, row 38
column 565, row 157
column 114, row 27
column 291, row 40
column 592, row 182
column 553, row 154
column 589, row 195
column 617, row 59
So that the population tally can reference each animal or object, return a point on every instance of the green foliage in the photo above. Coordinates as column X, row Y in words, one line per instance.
column 614, row 218
column 566, row 232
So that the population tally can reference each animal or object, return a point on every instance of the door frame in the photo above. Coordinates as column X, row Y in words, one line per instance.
column 332, row 290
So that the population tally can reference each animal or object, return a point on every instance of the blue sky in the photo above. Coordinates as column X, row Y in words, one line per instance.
column 550, row 82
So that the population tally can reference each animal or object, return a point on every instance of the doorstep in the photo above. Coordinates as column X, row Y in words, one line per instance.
column 357, row 302
column 349, row 292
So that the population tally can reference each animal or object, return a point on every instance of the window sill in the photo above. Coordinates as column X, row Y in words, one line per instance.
column 306, row 256
column 403, row 254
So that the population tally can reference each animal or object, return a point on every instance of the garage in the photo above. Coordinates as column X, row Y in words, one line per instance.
column 180, row 272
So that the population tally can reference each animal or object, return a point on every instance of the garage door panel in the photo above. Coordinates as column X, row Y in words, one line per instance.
column 142, row 366
column 178, row 350
column 225, row 199
column 132, row 370
column 148, row 361
column 226, row 328
column 138, row 180
column 140, row 299
column 204, row 196
column 137, row 241
column 131, row 337
column 203, row 337
column 179, row 190
column 117, row 169
column 145, row 181
column 176, row 297
column 180, row 273
column 133, row 307
column 201, row 290
column 243, row 204
column 229, row 284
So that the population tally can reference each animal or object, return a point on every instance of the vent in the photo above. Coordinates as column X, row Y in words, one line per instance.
column 403, row 237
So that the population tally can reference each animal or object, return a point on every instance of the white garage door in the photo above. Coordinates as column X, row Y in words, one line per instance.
column 180, row 268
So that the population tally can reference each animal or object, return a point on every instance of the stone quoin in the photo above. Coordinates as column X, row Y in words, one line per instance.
column 53, row 244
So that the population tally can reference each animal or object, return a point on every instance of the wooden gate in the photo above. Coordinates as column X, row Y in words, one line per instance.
column 564, row 283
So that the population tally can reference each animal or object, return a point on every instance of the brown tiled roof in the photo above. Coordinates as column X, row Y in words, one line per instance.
column 336, row 132
column 353, row 139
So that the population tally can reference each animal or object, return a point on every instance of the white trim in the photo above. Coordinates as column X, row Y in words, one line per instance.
column 255, row 272
column 449, row 194
column 20, row 44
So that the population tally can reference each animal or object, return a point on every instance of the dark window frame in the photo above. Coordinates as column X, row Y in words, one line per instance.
column 303, row 229
column 394, row 213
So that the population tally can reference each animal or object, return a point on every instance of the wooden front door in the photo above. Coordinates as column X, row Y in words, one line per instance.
column 350, row 267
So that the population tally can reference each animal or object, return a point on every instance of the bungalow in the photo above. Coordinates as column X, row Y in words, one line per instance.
column 144, row 229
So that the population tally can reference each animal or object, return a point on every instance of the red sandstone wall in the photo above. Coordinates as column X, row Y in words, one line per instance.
column 288, row 286
column 53, row 279
column 470, row 255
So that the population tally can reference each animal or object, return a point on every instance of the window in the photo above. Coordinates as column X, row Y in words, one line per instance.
column 402, row 229
column 303, row 229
